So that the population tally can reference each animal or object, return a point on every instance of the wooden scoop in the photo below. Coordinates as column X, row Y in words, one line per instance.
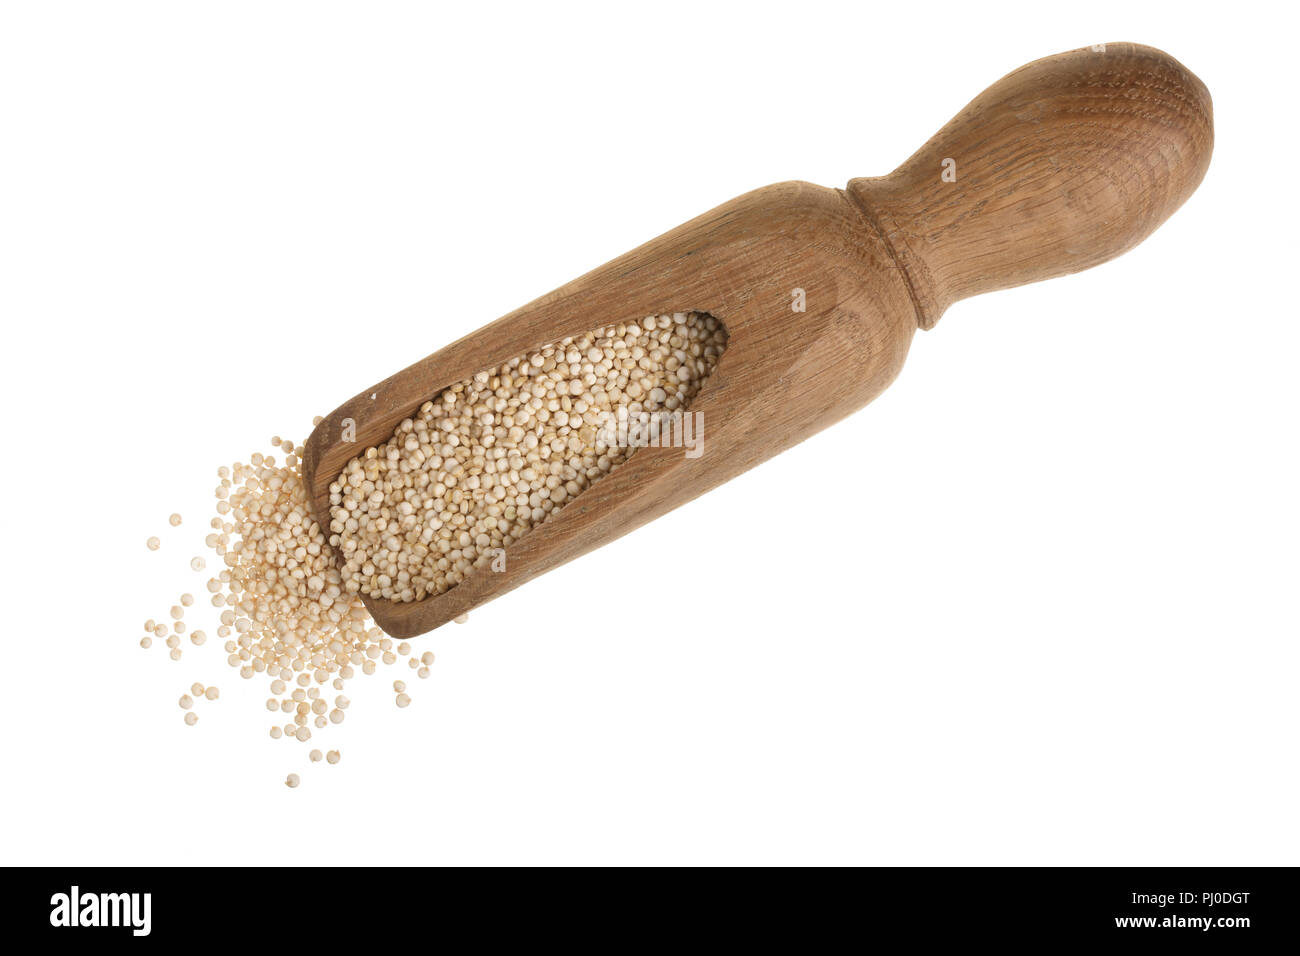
column 1059, row 166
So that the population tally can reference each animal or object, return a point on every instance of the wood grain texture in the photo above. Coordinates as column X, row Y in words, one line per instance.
column 1061, row 165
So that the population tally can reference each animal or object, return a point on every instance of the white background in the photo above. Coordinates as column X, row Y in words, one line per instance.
column 1037, row 604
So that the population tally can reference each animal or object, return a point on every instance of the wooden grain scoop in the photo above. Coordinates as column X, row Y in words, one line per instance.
column 1059, row 166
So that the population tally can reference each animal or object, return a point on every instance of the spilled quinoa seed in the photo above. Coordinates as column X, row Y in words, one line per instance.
column 282, row 612
column 482, row 463
column 491, row 457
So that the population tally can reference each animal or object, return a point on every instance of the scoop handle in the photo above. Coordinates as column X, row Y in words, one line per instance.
column 1057, row 167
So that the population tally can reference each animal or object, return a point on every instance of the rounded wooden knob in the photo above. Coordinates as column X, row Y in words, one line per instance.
column 1061, row 165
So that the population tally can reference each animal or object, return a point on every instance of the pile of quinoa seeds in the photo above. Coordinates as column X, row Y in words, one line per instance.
column 493, row 456
column 280, row 607
column 482, row 463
